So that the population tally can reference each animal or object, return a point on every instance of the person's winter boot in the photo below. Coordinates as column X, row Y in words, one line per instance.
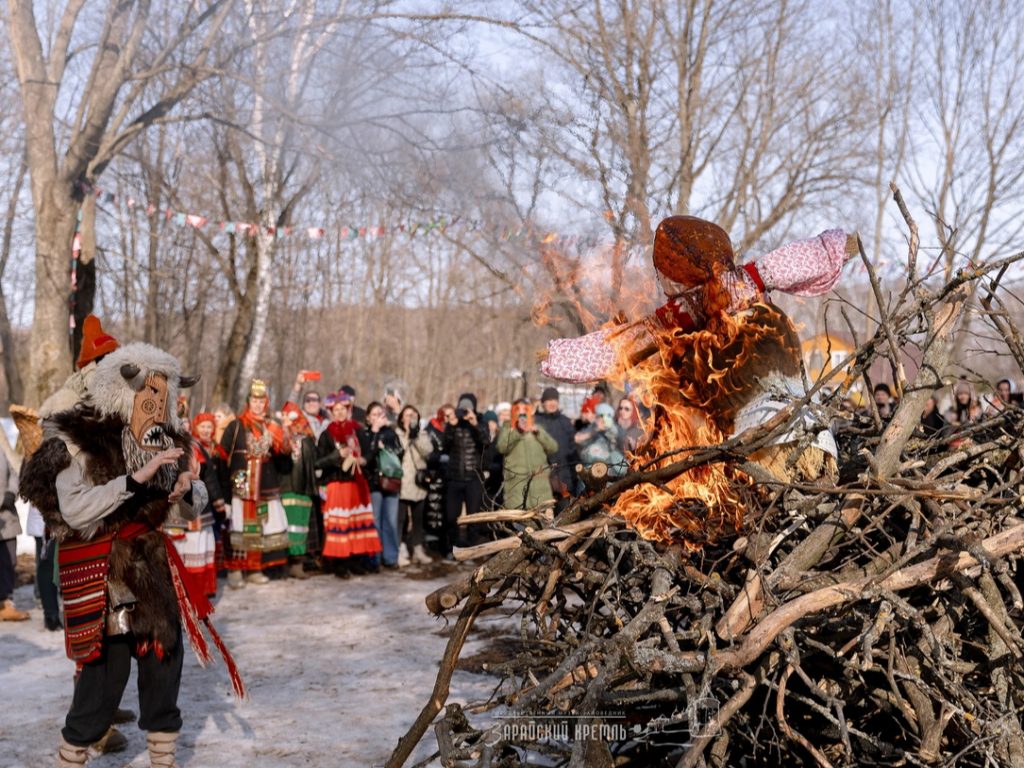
column 68, row 756
column 419, row 555
column 161, row 749
column 10, row 613
column 403, row 556
column 257, row 577
column 296, row 571
column 235, row 580
column 113, row 741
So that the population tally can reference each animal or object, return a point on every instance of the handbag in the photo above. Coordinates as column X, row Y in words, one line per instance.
column 423, row 479
column 389, row 465
column 390, row 484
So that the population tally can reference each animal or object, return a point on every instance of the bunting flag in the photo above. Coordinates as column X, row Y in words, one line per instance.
column 502, row 232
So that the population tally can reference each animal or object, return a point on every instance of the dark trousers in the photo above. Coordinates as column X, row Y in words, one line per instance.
column 8, row 574
column 45, row 585
column 470, row 493
column 411, row 510
column 101, row 683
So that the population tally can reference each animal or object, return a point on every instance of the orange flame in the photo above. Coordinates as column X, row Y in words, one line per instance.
column 694, row 388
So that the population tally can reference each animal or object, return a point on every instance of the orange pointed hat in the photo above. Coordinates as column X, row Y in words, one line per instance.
column 688, row 251
column 95, row 343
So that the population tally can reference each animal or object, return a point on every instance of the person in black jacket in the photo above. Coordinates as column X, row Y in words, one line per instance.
column 563, row 463
column 464, row 442
column 384, row 487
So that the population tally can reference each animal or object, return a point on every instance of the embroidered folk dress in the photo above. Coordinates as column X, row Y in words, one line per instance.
column 257, row 456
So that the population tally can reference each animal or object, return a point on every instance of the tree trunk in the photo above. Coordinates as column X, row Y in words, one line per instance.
column 15, row 389
column 261, row 309
column 50, row 352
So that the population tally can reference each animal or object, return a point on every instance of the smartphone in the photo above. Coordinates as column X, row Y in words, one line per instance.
column 311, row 375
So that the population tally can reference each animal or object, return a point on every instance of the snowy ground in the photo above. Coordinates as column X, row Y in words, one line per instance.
column 336, row 672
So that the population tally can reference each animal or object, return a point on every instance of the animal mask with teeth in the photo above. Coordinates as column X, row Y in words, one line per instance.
column 135, row 384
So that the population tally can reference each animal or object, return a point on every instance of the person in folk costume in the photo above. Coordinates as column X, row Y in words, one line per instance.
column 96, row 344
column 734, row 355
column 196, row 540
column 214, row 474
column 259, row 453
column 298, row 488
column 349, row 529
column 106, row 476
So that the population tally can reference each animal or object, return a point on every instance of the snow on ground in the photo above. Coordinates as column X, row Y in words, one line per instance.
column 336, row 671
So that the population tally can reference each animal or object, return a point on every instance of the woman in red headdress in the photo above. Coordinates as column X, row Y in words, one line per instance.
column 197, row 540
column 349, row 529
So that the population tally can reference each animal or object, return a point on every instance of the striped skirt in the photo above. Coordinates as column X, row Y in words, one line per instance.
column 197, row 545
column 348, row 520
column 296, row 509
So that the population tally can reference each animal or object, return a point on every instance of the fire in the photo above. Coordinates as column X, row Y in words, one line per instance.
column 693, row 389
column 693, row 383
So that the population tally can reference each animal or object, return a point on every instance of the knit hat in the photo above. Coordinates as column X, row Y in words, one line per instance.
column 491, row 416
column 688, row 251
column 95, row 343
column 503, row 406
column 467, row 401
column 201, row 417
column 550, row 393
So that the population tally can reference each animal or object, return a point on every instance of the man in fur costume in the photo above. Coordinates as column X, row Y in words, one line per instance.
column 716, row 359
column 106, row 477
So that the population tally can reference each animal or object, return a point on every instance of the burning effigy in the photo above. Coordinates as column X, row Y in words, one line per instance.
column 707, row 609
column 716, row 359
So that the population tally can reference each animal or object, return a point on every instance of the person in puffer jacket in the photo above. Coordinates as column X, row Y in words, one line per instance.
column 464, row 442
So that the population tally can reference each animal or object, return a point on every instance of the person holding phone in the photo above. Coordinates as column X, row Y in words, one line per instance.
column 526, row 448
column 464, row 441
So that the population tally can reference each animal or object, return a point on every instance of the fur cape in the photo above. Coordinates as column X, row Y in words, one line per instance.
column 140, row 563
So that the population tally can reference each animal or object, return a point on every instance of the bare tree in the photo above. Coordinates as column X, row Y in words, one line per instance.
column 133, row 80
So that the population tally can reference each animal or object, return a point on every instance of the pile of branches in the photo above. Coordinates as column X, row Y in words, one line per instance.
column 870, row 620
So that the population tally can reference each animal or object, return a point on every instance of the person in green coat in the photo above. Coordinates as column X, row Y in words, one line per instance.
column 526, row 448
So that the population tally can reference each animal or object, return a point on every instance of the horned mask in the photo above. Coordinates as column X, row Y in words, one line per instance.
column 137, row 383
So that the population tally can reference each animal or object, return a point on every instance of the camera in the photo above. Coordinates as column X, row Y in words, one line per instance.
column 460, row 413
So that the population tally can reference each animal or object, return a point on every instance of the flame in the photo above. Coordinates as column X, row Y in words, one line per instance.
column 693, row 389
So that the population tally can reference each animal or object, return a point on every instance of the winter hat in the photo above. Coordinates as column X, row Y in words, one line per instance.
column 590, row 404
column 201, row 417
column 95, row 343
column 467, row 401
column 503, row 406
column 689, row 251
column 491, row 416
column 550, row 393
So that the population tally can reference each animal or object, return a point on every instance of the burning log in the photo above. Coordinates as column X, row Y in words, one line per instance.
column 869, row 618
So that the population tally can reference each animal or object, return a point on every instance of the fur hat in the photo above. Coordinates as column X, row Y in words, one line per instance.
column 95, row 343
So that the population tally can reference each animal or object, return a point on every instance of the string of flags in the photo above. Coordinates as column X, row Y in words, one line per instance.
column 503, row 232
